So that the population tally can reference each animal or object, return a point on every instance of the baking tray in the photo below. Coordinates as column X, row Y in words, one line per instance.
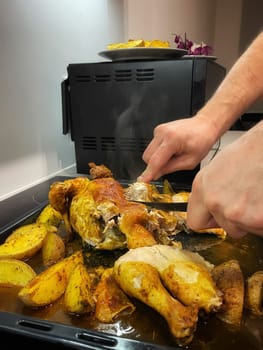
column 145, row 329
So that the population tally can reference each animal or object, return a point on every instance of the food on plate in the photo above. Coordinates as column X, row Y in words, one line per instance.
column 24, row 241
column 50, row 284
column 111, row 301
column 229, row 279
column 53, row 249
column 254, row 293
column 15, row 273
column 138, row 43
column 78, row 297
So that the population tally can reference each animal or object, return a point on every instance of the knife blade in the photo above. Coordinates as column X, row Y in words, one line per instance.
column 168, row 206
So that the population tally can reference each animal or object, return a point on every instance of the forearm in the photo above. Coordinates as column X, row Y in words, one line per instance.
column 239, row 90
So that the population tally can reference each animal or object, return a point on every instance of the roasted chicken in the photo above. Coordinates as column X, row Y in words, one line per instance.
column 142, row 281
column 148, row 273
column 145, row 192
column 111, row 301
column 99, row 211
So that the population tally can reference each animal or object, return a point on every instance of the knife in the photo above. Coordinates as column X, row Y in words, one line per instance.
column 168, row 206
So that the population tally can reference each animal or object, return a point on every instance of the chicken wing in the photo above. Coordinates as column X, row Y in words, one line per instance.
column 111, row 301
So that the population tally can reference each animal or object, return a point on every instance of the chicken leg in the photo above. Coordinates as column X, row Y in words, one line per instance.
column 142, row 281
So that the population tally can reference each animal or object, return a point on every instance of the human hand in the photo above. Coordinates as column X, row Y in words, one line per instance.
column 177, row 145
column 228, row 192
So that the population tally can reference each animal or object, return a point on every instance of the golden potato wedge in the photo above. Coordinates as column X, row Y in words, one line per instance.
column 53, row 249
column 15, row 273
column 128, row 44
column 254, row 293
column 49, row 216
column 50, row 284
column 78, row 296
column 24, row 242
column 157, row 43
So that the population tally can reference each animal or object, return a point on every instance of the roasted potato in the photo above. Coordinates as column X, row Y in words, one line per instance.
column 254, row 293
column 53, row 249
column 229, row 278
column 15, row 273
column 138, row 43
column 78, row 296
column 50, row 284
column 49, row 216
column 24, row 242
column 130, row 43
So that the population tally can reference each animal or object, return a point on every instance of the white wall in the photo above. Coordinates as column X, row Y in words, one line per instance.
column 161, row 19
column 216, row 22
column 227, row 31
column 38, row 39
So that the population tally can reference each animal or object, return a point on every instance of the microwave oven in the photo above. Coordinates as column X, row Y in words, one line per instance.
column 111, row 108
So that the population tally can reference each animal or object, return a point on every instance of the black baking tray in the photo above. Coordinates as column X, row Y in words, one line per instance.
column 29, row 329
column 211, row 334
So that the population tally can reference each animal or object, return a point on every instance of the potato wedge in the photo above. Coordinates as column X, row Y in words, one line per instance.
column 24, row 242
column 53, row 249
column 78, row 296
column 15, row 273
column 49, row 216
column 50, row 284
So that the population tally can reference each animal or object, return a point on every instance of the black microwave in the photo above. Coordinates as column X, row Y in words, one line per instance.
column 111, row 108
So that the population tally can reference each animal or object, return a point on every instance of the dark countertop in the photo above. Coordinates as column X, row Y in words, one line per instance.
column 24, row 204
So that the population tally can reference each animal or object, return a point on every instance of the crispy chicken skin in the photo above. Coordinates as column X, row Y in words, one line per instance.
column 142, row 281
column 87, row 206
column 111, row 301
column 185, row 274
column 98, row 171
column 60, row 196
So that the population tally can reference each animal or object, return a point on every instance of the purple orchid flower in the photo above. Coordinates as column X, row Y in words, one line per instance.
column 192, row 48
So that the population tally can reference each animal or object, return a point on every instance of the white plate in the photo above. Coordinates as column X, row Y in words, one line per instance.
column 142, row 53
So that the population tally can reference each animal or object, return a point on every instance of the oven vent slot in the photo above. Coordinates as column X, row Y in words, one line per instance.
column 83, row 78
column 146, row 74
column 133, row 144
column 123, row 75
column 108, row 144
column 89, row 143
column 101, row 78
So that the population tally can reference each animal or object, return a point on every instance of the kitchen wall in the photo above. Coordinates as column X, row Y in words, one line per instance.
column 38, row 38
column 228, row 26
column 216, row 22
column 161, row 19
